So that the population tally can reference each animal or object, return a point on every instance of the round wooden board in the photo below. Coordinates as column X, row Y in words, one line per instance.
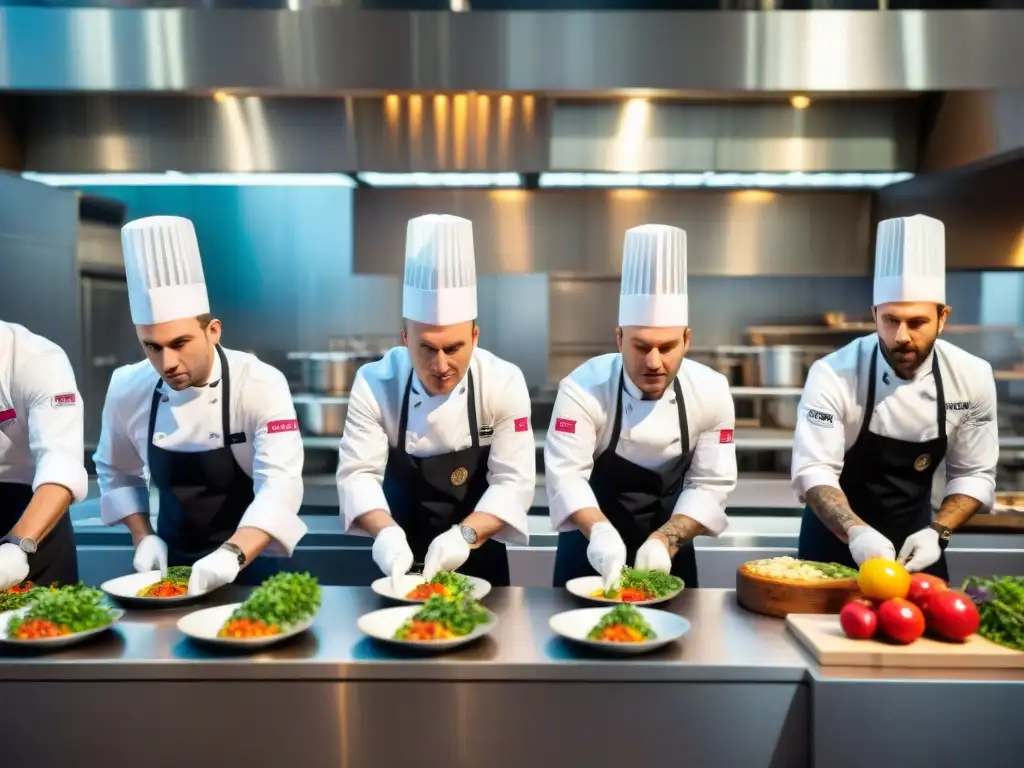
column 772, row 597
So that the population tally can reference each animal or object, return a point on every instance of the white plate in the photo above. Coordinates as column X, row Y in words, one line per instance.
column 51, row 642
column 125, row 589
column 382, row 625
column 576, row 625
column 584, row 586
column 204, row 624
column 410, row 581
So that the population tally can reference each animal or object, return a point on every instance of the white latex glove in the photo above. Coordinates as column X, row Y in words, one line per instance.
column 653, row 556
column 392, row 555
column 446, row 552
column 151, row 555
column 606, row 553
column 920, row 550
column 13, row 566
column 218, row 568
column 867, row 543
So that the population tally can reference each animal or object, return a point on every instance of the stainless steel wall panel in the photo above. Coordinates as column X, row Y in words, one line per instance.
column 974, row 126
column 332, row 50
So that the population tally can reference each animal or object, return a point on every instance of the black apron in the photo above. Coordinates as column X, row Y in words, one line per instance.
column 888, row 483
column 204, row 494
column 637, row 501
column 56, row 558
column 429, row 495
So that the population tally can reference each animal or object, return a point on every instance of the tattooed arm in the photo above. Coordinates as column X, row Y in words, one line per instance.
column 832, row 508
column 957, row 509
column 678, row 531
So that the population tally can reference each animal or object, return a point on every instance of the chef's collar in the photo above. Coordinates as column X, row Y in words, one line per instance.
column 419, row 390
column 212, row 383
column 634, row 391
column 923, row 370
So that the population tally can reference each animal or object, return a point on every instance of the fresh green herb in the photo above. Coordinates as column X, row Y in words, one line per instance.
column 283, row 600
column 834, row 570
column 625, row 615
column 178, row 574
column 455, row 583
column 654, row 583
column 1000, row 603
column 459, row 616
column 79, row 608
column 12, row 601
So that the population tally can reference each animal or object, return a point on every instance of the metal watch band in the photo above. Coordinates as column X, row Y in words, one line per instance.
column 468, row 534
column 945, row 534
column 236, row 550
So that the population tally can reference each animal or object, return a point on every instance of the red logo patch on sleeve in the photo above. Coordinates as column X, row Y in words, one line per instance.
column 725, row 436
column 7, row 418
column 523, row 424
column 60, row 401
column 565, row 425
column 283, row 425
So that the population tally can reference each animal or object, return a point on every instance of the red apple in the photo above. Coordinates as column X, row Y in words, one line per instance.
column 923, row 586
column 900, row 620
column 952, row 615
column 858, row 620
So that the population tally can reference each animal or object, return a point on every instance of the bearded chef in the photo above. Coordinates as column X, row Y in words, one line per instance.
column 878, row 416
column 438, row 459
column 213, row 430
column 42, row 467
column 639, row 457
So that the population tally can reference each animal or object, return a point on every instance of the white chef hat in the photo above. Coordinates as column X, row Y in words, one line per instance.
column 910, row 260
column 163, row 270
column 653, row 291
column 440, row 271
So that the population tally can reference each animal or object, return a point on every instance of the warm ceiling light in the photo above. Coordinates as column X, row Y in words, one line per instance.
column 220, row 97
column 800, row 101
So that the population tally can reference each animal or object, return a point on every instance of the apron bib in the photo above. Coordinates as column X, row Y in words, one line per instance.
column 429, row 495
column 637, row 501
column 888, row 483
column 204, row 494
column 56, row 558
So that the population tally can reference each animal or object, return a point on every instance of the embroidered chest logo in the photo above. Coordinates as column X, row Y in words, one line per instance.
column 959, row 405
column 821, row 418
column 7, row 419
column 459, row 476
column 922, row 462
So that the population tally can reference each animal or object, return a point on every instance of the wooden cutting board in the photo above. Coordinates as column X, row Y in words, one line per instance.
column 824, row 638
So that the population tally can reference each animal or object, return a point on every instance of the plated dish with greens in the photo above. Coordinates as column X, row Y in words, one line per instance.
column 153, row 589
column 412, row 588
column 59, row 616
column 440, row 623
column 635, row 586
column 624, row 629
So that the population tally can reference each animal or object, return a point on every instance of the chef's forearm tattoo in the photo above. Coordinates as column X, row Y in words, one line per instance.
column 957, row 509
column 680, row 529
column 833, row 509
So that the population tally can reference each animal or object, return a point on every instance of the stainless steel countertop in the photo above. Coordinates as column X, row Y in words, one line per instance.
column 725, row 644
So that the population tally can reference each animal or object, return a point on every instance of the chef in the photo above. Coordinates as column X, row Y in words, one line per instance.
column 878, row 416
column 438, row 459
column 213, row 430
column 42, row 460
column 639, row 456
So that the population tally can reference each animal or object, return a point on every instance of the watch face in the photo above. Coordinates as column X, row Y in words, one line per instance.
column 468, row 534
column 28, row 546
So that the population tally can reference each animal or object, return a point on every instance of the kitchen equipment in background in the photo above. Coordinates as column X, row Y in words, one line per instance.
column 321, row 415
column 784, row 366
column 329, row 373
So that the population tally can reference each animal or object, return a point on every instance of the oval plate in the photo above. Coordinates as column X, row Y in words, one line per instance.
column 125, row 590
column 410, row 581
column 575, row 625
column 381, row 625
column 203, row 625
column 52, row 642
column 585, row 586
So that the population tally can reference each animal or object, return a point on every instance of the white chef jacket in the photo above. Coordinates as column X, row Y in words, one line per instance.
column 41, row 414
column 832, row 408
column 439, row 425
column 649, row 437
column 190, row 421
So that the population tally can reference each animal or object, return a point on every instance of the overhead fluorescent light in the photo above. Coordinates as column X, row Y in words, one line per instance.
column 374, row 179
column 723, row 180
column 176, row 179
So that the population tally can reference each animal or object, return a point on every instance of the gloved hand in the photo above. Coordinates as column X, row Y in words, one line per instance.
column 867, row 543
column 218, row 568
column 920, row 550
column 606, row 553
column 13, row 566
column 653, row 556
column 446, row 552
column 392, row 555
column 151, row 555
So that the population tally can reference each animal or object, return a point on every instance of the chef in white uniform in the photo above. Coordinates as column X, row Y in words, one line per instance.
column 42, row 460
column 212, row 430
column 639, row 457
column 438, row 459
column 879, row 415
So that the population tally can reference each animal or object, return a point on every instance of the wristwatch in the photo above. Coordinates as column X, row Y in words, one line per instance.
column 26, row 544
column 945, row 533
column 468, row 534
column 236, row 551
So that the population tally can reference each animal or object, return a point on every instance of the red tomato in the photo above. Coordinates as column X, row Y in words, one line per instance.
column 952, row 615
column 923, row 586
column 900, row 620
column 858, row 620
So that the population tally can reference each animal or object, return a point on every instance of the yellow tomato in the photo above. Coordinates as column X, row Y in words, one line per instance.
column 882, row 579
